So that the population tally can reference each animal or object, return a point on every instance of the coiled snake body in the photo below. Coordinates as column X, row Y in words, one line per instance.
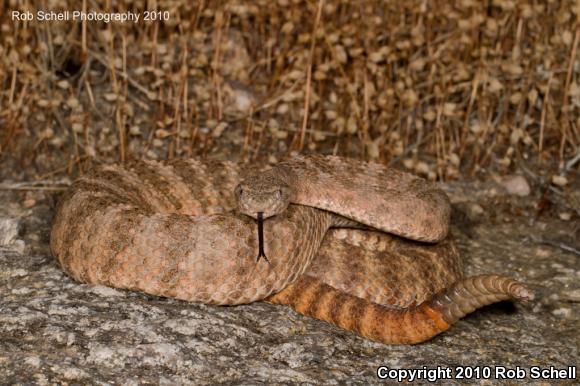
column 173, row 229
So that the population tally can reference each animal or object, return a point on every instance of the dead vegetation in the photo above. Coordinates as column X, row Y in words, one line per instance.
column 443, row 88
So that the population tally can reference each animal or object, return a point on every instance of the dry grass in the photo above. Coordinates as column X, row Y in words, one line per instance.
column 442, row 87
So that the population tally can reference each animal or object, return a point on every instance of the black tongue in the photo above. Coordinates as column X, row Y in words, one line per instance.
column 261, row 237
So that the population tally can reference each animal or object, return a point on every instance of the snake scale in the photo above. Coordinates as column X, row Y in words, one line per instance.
column 361, row 246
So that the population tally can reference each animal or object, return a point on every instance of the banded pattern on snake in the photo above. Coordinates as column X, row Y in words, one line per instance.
column 174, row 229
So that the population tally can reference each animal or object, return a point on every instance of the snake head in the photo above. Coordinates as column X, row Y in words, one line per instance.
column 263, row 193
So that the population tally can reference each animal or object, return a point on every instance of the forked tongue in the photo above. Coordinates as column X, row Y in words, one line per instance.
column 261, row 237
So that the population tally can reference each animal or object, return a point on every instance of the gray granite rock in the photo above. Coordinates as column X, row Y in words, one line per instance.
column 56, row 331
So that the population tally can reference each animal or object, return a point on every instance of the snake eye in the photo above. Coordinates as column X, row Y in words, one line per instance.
column 280, row 192
column 239, row 190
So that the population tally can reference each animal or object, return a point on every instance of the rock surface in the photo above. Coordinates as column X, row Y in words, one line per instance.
column 56, row 331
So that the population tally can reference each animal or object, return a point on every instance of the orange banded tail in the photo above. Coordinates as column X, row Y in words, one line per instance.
column 310, row 296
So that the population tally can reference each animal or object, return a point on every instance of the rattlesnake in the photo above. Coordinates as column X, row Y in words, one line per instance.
column 173, row 229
